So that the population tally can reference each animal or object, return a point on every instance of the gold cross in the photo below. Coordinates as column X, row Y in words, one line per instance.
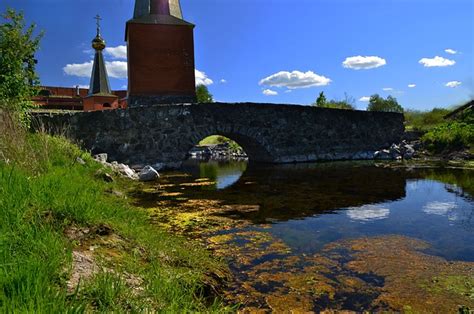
column 98, row 18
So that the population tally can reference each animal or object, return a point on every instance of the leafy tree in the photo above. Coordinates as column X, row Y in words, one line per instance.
column 203, row 94
column 347, row 103
column 18, row 78
column 378, row 103
column 321, row 101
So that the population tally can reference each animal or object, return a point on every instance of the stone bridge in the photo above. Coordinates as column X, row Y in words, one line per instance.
column 267, row 132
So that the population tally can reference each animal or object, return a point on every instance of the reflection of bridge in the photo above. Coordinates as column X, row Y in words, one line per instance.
column 282, row 194
column 268, row 133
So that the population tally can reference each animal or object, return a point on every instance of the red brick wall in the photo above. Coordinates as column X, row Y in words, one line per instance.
column 160, row 59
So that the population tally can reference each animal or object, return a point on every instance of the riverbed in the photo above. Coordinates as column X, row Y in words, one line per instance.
column 328, row 236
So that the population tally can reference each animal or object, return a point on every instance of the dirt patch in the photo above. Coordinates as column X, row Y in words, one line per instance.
column 84, row 267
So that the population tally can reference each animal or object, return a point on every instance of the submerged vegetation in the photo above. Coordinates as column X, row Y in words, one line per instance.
column 270, row 273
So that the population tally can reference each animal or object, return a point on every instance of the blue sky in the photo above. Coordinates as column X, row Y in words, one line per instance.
column 285, row 51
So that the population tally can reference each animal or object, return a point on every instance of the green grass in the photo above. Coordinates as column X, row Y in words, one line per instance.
column 219, row 139
column 44, row 191
column 425, row 120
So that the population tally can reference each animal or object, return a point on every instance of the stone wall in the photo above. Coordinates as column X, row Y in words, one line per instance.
column 267, row 132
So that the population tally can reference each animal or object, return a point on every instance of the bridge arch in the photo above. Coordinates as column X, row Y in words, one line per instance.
column 254, row 147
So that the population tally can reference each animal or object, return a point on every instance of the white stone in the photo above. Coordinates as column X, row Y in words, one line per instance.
column 148, row 173
column 102, row 158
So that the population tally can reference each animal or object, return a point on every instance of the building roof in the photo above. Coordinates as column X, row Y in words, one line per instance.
column 99, row 79
column 454, row 113
column 142, row 8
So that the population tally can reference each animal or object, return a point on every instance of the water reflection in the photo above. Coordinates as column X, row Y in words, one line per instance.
column 368, row 213
column 288, row 230
column 224, row 173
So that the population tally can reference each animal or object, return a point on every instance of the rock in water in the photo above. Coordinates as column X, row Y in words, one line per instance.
column 148, row 174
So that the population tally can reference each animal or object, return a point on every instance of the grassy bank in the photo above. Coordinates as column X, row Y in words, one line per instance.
column 70, row 242
column 441, row 135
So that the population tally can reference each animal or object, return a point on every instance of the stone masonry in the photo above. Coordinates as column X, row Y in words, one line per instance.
column 164, row 134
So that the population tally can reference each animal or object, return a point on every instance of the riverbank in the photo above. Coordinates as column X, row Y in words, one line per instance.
column 71, row 241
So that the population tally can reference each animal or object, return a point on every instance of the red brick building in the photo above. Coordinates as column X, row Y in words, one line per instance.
column 99, row 96
column 71, row 98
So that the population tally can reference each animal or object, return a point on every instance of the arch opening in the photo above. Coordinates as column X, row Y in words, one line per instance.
column 218, row 147
column 219, row 159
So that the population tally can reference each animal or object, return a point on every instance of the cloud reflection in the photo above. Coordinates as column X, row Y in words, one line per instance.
column 441, row 209
column 368, row 213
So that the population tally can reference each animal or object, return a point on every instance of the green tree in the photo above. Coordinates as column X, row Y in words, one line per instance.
column 378, row 103
column 347, row 103
column 18, row 78
column 321, row 101
column 203, row 94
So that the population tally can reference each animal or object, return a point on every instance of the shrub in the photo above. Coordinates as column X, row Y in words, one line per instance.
column 347, row 103
column 450, row 136
column 203, row 94
column 425, row 120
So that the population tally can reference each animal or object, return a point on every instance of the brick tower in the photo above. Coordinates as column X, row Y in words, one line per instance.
column 160, row 47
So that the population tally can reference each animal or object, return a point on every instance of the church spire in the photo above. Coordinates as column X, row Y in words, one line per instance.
column 99, row 80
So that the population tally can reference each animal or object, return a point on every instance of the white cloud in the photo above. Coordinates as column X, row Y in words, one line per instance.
column 295, row 79
column 453, row 84
column 223, row 81
column 368, row 213
column 115, row 69
column 436, row 62
column 363, row 62
column 124, row 87
column 202, row 79
column 79, row 69
column 288, row 91
column 365, row 99
column 387, row 89
column 269, row 92
column 412, row 85
column 451, row 51
column 119, row 52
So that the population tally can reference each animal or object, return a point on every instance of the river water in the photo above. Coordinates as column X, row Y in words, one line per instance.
column 332, row 236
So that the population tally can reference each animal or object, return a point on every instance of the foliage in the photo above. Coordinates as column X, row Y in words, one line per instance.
column 203, row 94
column 219, row 139
column 450, row 136
column 18, row 78
column 377, row 103
column 321, row 101
column 347, row 103
column 49, row 192
column 425, row 120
